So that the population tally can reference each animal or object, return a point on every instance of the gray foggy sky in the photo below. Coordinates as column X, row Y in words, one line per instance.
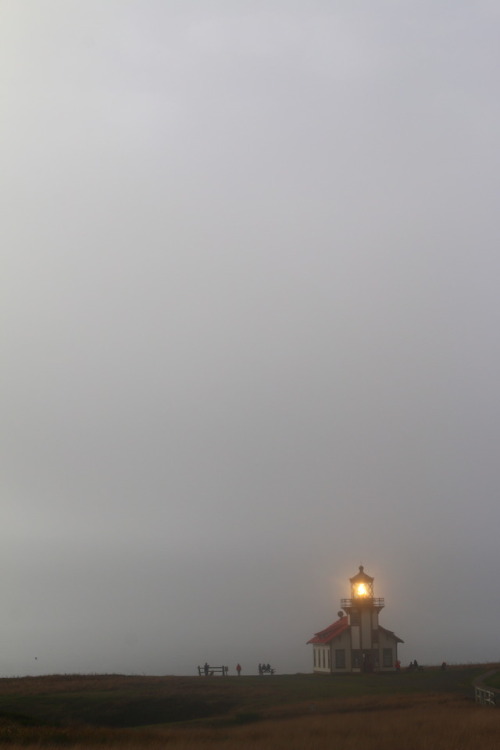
column 250, row 321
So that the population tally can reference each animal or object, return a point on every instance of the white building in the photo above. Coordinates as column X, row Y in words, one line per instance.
column 356, row 642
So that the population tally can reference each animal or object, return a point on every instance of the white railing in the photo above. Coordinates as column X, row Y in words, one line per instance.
column 484, row 696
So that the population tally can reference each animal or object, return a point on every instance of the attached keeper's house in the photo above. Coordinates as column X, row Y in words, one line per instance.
column 356, row 642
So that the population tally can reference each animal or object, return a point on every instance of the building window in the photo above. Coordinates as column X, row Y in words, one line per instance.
column 355, row 618
column 356, row 658
column 340, row 658
column 323, row 658
column 387, row 657
column 329, row 659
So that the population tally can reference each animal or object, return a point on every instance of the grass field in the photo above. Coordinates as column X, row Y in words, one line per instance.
column 418, row 710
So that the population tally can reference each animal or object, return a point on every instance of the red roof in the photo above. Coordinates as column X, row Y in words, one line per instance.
column 331, row 632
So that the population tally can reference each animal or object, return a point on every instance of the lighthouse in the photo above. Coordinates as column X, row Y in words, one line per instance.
column 356, row 642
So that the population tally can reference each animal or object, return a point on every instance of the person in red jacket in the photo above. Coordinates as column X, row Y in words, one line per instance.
column 238, row 669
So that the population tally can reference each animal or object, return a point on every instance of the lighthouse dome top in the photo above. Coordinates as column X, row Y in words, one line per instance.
column 361, row 576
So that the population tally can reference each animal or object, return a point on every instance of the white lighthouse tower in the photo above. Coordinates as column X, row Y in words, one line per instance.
column 362, row 610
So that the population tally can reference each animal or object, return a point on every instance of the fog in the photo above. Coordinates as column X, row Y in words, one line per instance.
column 250, row 321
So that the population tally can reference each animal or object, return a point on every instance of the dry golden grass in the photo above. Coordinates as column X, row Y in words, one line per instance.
column 76, row 682
column 422, row 722
column 428, row 710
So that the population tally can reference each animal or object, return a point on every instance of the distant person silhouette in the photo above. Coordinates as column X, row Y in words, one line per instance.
column 238, row 669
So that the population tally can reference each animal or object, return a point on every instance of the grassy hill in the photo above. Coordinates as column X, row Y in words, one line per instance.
column 118, row 710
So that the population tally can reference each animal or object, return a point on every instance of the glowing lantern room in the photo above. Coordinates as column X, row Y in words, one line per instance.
column 361, row 585
column 356, row 642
